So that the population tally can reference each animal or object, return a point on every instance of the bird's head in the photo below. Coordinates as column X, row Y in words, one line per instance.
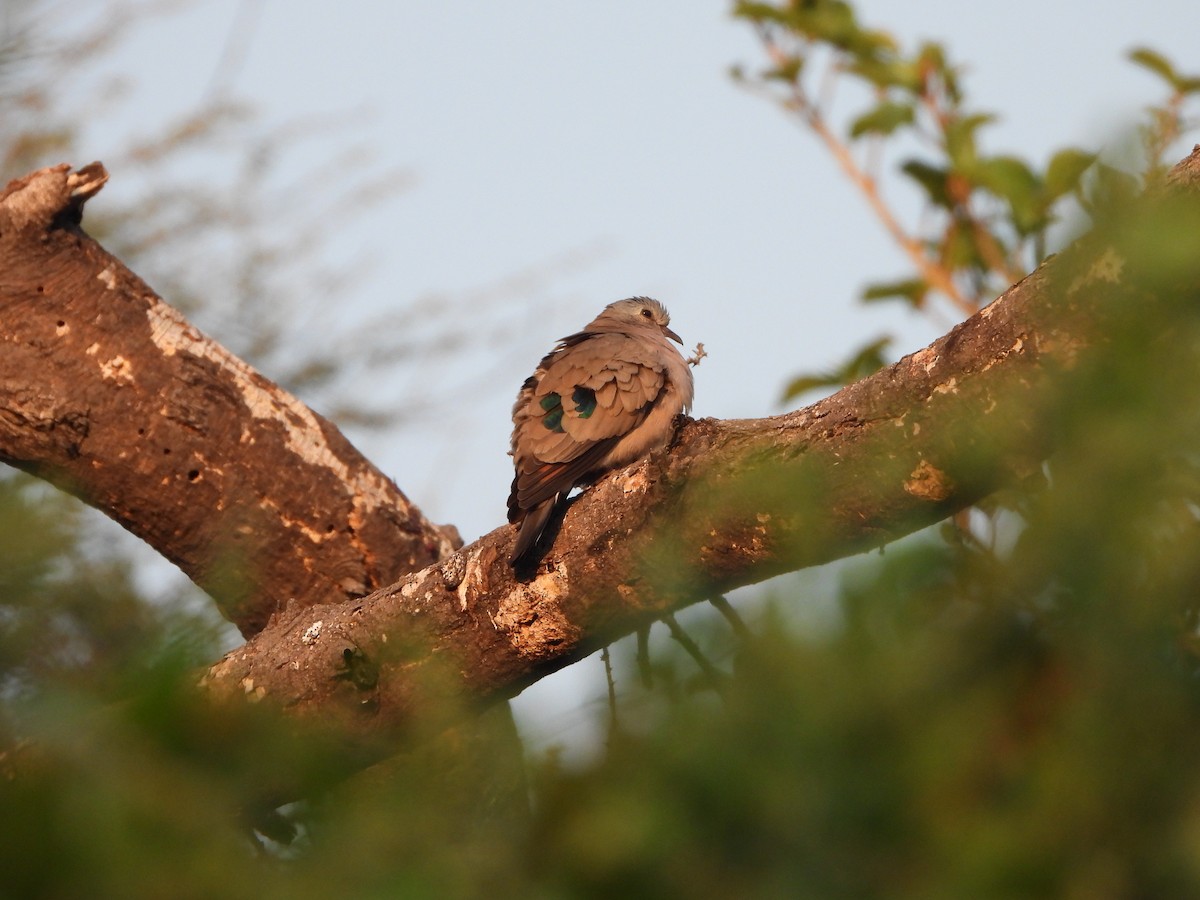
column 642, row 312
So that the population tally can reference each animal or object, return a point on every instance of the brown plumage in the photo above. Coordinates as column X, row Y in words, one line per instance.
column 603, row 398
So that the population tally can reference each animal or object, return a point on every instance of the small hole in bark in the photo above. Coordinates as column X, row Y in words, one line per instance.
column 166, row 451
column 141, row 431
column 193, row 475
column 329, row 529
column 61, row 323
column 42, row 290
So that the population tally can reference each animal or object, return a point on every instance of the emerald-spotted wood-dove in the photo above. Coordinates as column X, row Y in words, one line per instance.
column 603, row 398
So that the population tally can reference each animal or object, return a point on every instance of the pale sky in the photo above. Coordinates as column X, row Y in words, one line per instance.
column 611, row 134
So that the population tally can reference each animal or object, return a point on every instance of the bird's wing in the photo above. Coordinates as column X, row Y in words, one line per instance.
column 585, row 397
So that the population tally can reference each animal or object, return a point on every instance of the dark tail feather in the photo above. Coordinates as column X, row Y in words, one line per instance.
column 531, row 529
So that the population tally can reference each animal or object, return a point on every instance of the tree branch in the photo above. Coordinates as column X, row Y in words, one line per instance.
column 109, row 393
column 729, row 504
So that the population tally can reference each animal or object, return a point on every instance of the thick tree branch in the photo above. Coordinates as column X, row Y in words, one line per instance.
column 108, row 392
column 730, row 504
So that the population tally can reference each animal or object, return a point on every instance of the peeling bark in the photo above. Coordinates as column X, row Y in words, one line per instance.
column 109, row 393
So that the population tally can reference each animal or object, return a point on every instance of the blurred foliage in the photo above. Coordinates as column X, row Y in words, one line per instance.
column 980, row 723
column 68, row 616
column 986, row 220
column 1011, row 718
column 868, row 359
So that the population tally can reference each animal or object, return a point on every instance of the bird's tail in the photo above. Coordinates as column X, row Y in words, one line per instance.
column 532, row 525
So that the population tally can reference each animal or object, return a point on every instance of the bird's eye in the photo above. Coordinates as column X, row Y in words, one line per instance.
column 647, row 313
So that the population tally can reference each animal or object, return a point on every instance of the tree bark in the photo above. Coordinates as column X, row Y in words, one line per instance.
column 730, row 503
column 109, row 393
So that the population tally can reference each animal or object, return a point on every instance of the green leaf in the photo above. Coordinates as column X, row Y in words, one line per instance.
column 933, row 56
column 887, row 73
column 936, row 70
column 1156, row 63
column 883, row 119
column 931, row 178
column 864, row 44
column 960, row 136
column 1161, row 66
column 865, row 361
column 960, row 249
column 1006, row 176
column 1012, row 180
column 789, row 70
column 832, row 21
column 880, row 41
column 913, row 290
column 759, row 12
column 1064, row 170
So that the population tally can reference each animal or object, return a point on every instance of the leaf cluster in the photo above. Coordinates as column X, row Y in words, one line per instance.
column 987, row 219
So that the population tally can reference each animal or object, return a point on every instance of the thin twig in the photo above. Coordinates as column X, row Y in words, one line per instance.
column 643, row 657
column 715, row 677
column 993, row 253
column 935, row 275
column 236, row 50
column 731, row 616
column 612, row 689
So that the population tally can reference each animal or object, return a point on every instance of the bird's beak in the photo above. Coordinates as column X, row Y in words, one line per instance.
column 672, row 335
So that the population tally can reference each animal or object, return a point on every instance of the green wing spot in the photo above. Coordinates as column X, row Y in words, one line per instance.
column 585, row 401
column 552, row 404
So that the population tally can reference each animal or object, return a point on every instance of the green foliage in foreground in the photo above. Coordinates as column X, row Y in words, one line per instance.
column 1013, row 721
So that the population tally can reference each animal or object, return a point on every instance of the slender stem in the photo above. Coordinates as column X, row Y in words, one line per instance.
column 731, row 616
column 643, row 657
column 612, row 689
column 936, row 276
column 993, row 253
column 714, row 676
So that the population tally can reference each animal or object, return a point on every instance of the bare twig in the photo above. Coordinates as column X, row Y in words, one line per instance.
column 606, row 658
column 643, row 657
column 715, row 677
column 730, row 614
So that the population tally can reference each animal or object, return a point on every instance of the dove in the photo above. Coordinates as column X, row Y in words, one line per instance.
column 604, row 397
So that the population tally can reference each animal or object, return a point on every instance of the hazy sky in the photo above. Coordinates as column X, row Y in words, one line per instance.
column 606, row 147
